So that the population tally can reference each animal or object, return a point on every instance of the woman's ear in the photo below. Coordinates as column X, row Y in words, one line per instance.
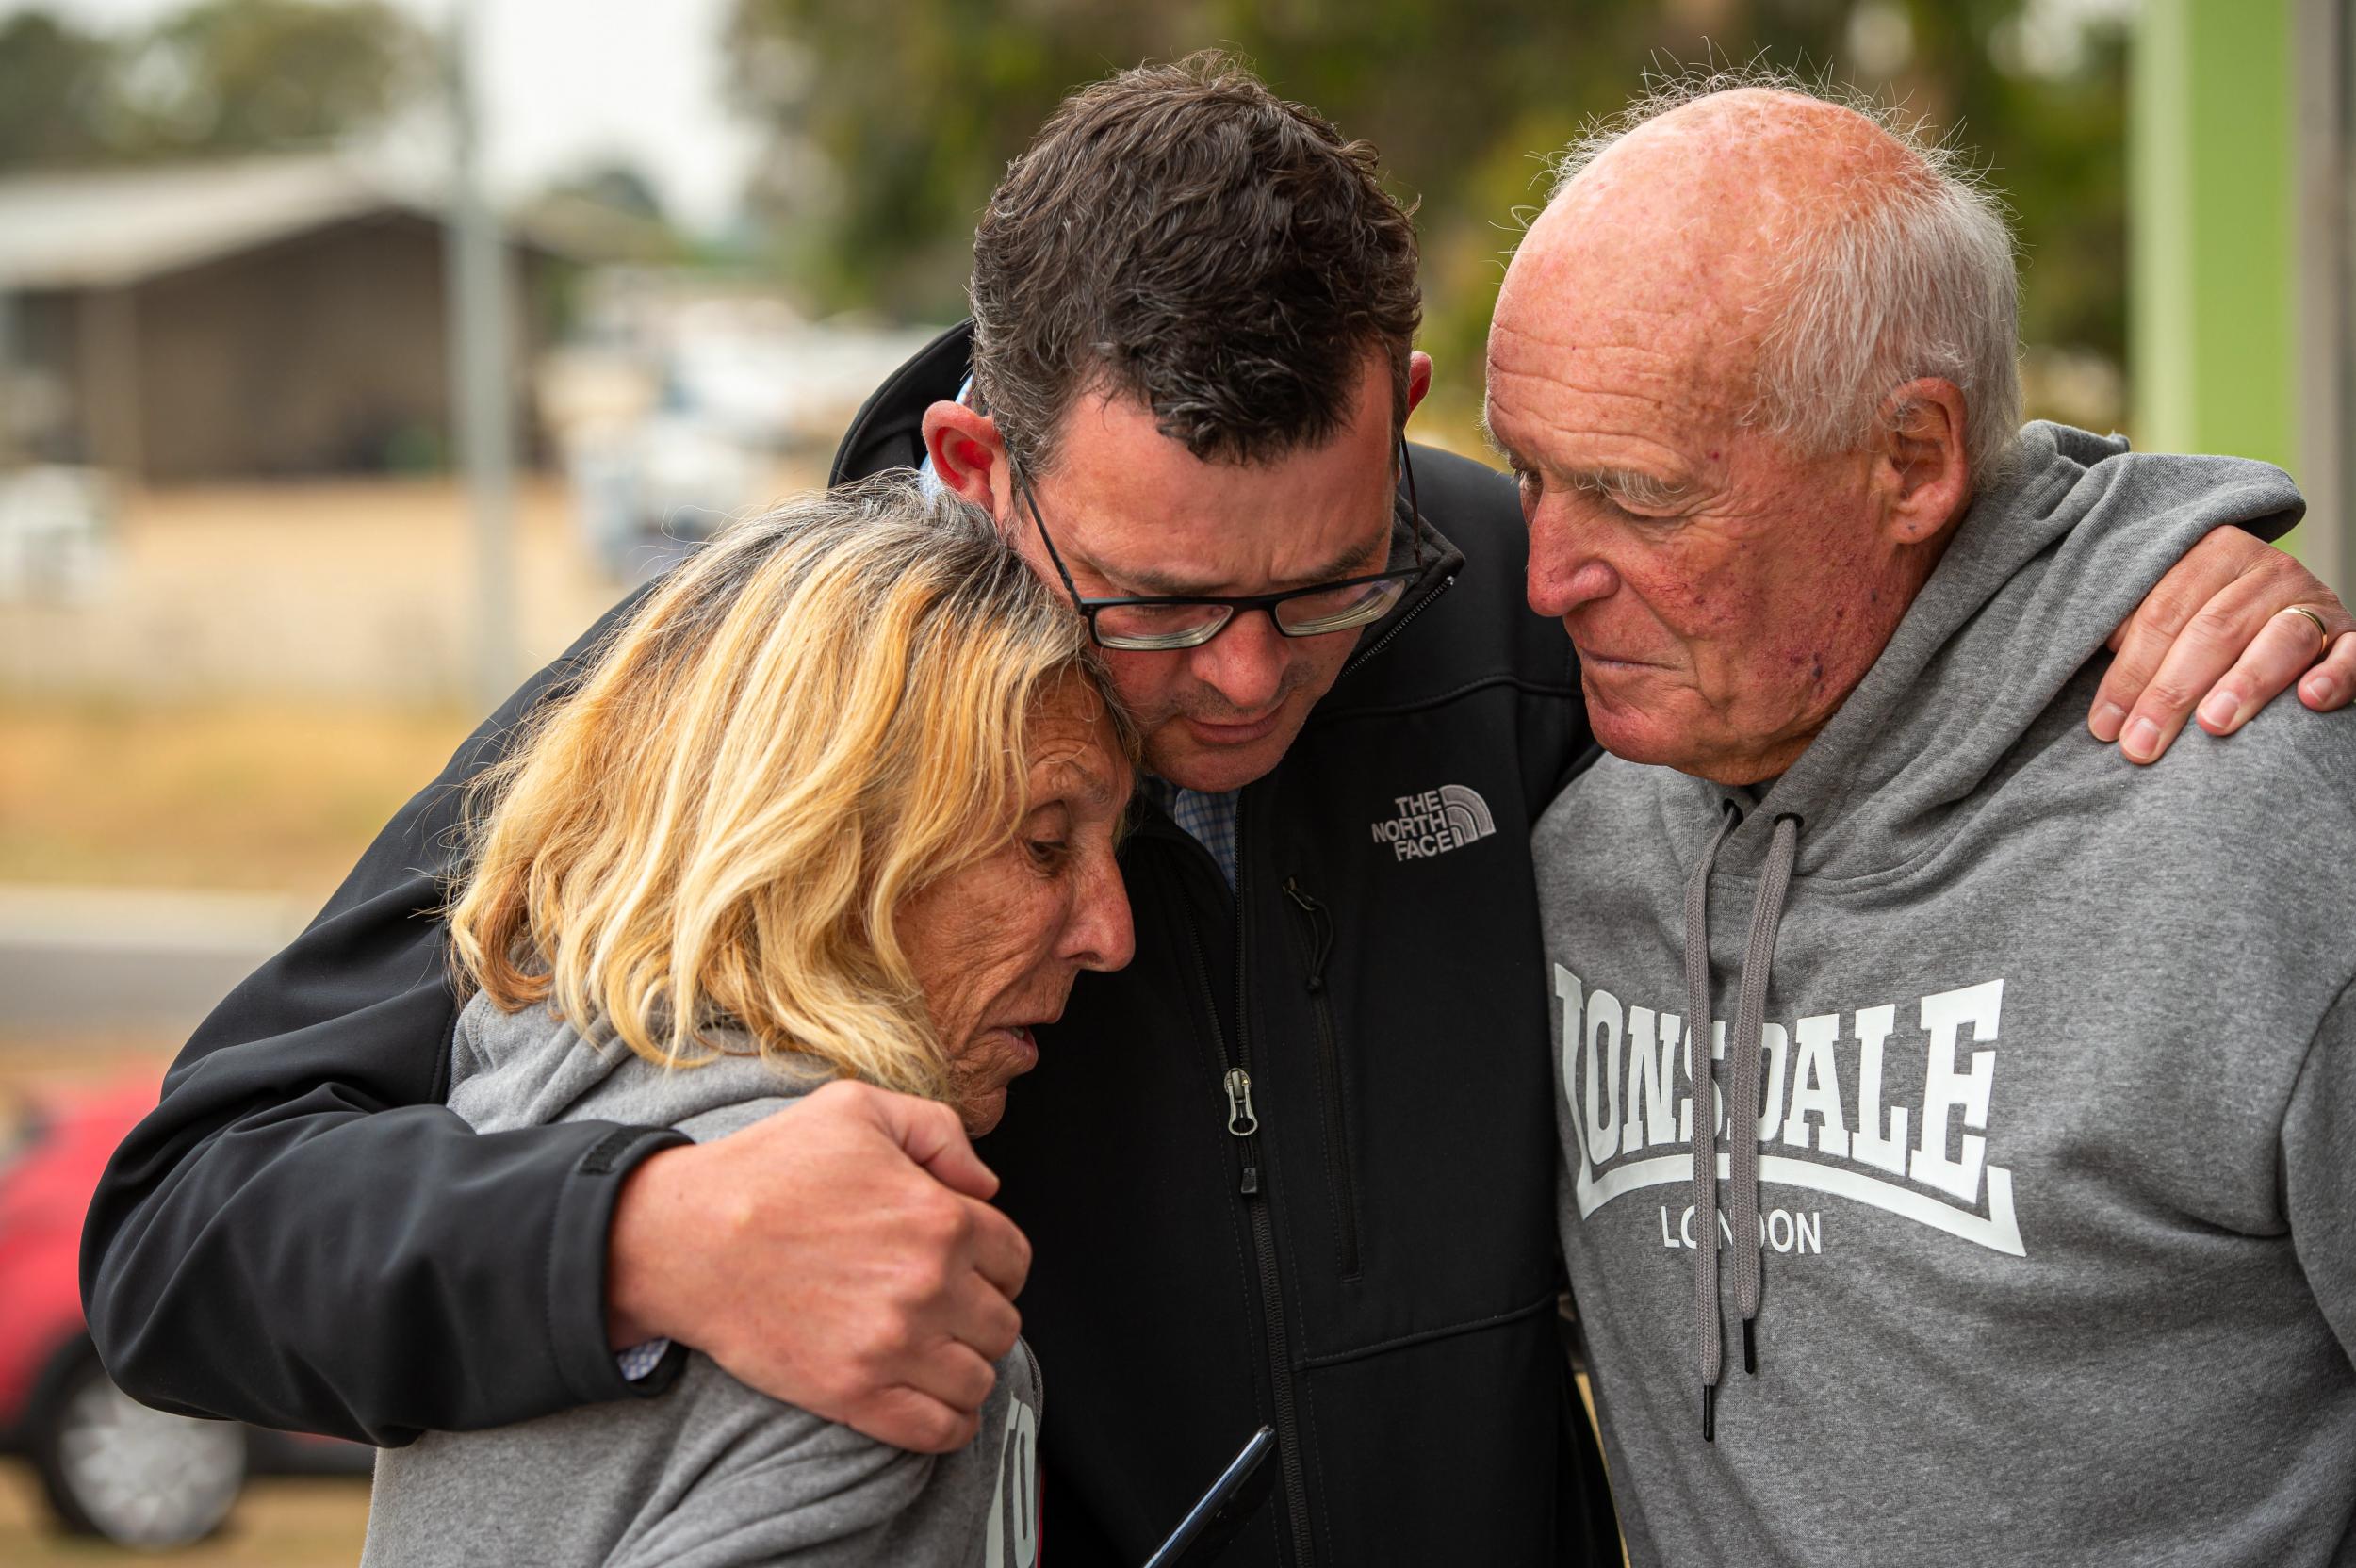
column 1920, row 465
column 968, row 456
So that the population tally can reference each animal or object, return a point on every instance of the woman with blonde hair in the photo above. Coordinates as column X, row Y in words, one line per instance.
column 838, row 801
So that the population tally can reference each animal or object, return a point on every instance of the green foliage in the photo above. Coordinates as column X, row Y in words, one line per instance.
column 53, row 86
column 888, row 145
column 239, row 75
column 223, row 76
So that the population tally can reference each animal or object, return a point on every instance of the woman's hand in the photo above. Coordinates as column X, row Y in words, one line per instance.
column 2217, row 631
column 839, row 1255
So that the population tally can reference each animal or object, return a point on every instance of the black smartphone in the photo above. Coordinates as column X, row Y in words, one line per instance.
column 1225, row 1508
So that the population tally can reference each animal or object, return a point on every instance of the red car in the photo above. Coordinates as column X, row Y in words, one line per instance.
column 110, row 1465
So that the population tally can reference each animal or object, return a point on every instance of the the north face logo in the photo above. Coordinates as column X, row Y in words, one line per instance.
column 1435, row 823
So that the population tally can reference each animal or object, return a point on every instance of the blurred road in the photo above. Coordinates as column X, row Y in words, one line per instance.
column 91, row 959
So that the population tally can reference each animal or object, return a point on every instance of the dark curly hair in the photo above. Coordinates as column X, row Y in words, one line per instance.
column 1180, row 235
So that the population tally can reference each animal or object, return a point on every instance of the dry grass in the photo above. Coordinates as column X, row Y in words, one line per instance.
column 262, row 675
column 291, row 1522
column 271, row 797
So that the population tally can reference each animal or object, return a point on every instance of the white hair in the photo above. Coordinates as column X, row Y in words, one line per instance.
column 1882, row 284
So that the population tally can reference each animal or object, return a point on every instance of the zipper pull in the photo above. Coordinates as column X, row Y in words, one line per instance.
column 1241, row 1122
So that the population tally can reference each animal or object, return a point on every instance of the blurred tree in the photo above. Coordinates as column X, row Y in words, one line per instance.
column 245, row 76
column 54, row 85
column 222, row 76
column 884, row 152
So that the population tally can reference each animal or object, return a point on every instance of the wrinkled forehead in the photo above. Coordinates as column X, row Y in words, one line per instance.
column 1648, row 318
column 1659, row 267
column 1074, row 744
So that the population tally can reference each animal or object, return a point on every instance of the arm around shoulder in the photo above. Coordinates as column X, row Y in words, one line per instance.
column 301, row 1235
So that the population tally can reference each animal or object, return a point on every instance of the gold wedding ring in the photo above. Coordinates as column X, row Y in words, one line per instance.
column 2321, row 630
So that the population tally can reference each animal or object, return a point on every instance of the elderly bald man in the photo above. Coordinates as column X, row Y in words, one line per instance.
column 2037, row 1205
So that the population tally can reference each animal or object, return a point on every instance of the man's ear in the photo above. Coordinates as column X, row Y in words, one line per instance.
column 1418, row 379
column 968, row 456
column 1919, row 464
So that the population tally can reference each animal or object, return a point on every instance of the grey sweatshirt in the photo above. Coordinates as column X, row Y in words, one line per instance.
column 709, row 1473
column 2054, row 1232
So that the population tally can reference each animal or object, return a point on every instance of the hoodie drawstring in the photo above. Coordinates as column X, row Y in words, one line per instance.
column 1741, row 1099
column 1705, row 1120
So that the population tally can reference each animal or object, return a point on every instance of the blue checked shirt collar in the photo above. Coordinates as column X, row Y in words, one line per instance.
column 1208, row 819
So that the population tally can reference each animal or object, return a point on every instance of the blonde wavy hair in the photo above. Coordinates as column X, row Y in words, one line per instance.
column 823, row 710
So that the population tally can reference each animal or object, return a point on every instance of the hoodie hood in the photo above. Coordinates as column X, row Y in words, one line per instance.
column 530, row 1068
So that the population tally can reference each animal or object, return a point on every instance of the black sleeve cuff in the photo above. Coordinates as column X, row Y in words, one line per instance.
column 576, row 1269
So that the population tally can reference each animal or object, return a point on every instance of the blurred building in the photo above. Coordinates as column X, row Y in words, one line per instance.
column 266, row 317
column 687, row 395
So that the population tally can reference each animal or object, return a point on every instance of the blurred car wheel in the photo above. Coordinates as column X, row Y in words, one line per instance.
column 137, row 1477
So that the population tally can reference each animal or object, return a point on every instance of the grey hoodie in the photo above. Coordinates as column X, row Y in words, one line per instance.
column 2049, row 1217
column 709, row 1474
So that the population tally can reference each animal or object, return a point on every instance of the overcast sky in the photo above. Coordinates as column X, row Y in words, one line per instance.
column 570, row 84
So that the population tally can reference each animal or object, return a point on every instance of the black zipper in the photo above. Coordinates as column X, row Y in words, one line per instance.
column 1243, row 1125
column 1255, row 1191
column 1399, row 625
column 1340, row 1169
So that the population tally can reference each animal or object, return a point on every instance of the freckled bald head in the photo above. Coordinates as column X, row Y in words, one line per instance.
column 1816, row 254
column 1689, row 220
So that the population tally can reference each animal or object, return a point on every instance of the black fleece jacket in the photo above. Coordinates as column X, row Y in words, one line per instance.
column 302, row 1235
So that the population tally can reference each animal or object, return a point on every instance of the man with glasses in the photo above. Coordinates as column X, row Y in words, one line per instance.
column 1293, row 1168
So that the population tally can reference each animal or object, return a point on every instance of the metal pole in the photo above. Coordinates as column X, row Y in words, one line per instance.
column 2320, row 66
column 15, row 428
column 477, row 286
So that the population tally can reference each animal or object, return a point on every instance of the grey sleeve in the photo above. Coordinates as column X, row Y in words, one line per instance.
column 713, row 1474
column 2319, row 1167
column 801, row 1491
column 745, row 1480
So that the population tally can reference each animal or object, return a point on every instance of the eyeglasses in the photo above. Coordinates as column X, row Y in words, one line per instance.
column 1165, row 623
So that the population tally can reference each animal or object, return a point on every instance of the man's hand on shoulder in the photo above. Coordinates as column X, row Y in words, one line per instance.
column 2219, row 630
column 840, row 1255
